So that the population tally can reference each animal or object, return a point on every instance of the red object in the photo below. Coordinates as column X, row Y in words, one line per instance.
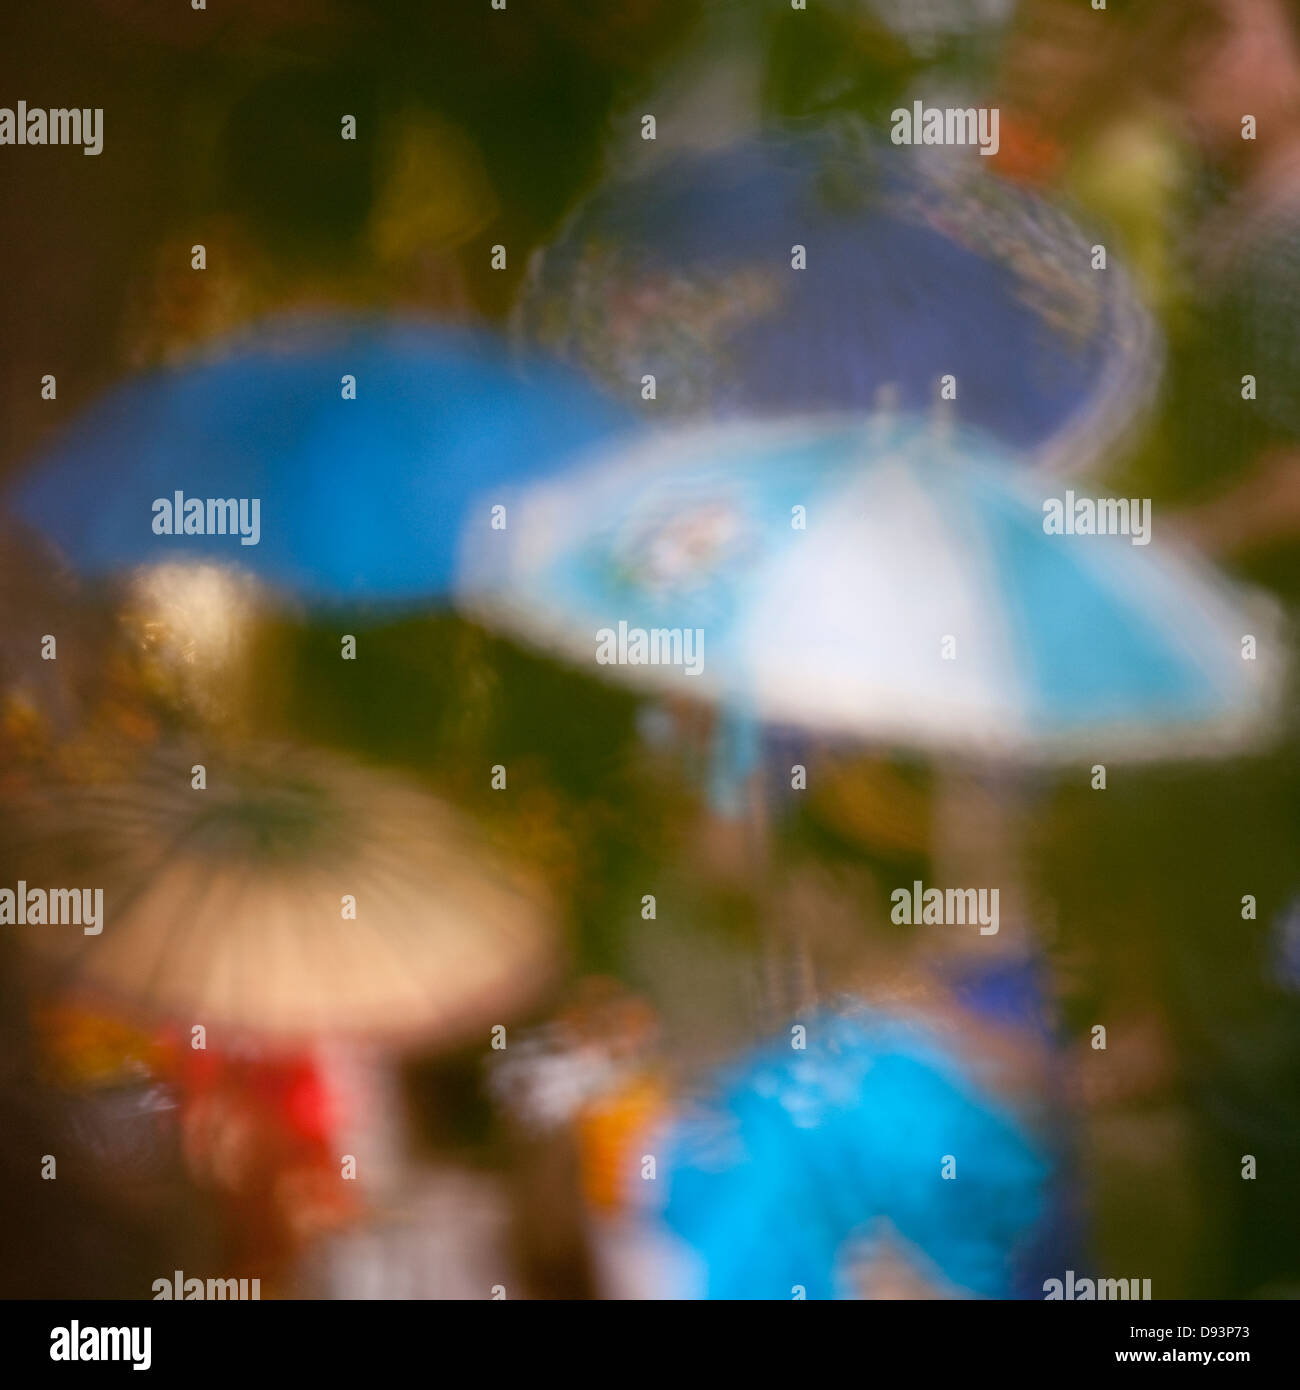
column 258, row 1133
column 1026, row 155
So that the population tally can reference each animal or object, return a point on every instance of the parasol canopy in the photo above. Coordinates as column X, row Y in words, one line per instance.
column 887, row 581
column 794, row 1154
column 229, row 906
column 914, row 271
column 357, row 499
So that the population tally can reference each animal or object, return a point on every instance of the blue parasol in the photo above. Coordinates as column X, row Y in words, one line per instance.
column 797, row 1155
column 356, row 498
column 914, row 270
column 880, row 581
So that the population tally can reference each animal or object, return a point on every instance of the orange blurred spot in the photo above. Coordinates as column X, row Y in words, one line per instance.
column 609, row 1129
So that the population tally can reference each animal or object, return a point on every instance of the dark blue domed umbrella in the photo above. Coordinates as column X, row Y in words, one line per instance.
column 914, row 271
column 356, row 498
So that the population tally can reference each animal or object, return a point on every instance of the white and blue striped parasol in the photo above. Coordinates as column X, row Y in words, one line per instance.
column 887, row 579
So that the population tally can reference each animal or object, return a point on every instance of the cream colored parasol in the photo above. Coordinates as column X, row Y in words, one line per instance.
column 226, row 906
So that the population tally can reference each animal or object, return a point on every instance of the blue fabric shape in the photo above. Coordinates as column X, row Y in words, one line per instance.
column 796, row 1153
column 360, row 499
